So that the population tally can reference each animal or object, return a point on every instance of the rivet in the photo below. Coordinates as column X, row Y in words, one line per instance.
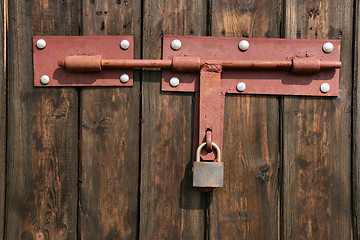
column 124, row 44
column 176, row 44
column 244, row 45
column 241, row 86
column 41, row 44
column 124, row 78
column 44, row 79
column 328, row 47
column 174, row 81
column 325, row 87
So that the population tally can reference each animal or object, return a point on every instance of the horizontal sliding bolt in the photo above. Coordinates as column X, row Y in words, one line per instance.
column 297, row 65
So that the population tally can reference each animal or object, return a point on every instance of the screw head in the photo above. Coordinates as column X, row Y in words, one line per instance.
column 325, row 87
column 124, row 78
column 175, row 44
column 41, row 44
column 44, row 79
column 244, row 45
column 124, row 44
column 328, row 47
column 241, row 86
column 174, row 81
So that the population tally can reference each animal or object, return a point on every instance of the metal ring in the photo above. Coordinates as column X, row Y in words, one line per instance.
column 214, row 146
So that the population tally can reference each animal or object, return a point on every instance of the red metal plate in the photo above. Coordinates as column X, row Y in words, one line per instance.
column 58, row 47
column 257, row 82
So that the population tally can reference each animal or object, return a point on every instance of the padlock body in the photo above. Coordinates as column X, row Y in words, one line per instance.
column 208, row 174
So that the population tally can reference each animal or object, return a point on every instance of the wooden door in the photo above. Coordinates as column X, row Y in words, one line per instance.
column 115, row 163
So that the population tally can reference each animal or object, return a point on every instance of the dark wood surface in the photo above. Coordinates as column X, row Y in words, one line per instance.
column 247, row 206
column 109, row 119
column 356, row 127
column 170, row 208
column 2, row 115
column 115, row 163
column 317, row 133
column 42, row 150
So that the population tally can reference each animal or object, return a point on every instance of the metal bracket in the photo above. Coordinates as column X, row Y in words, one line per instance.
column 213, row 82
column 226, row 65
column 58, row 47
column 276, row 81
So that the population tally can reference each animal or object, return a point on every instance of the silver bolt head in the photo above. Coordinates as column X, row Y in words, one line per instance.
column 41, row 44
column 325, row 87
column 328, row 47
column 244, row 45
column 175, row 44
column 174, row 81
column 44, row 79
column 124, row 44
column 241, row 86
column 124, row 78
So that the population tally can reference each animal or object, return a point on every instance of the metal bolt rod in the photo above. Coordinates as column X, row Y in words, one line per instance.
column 266, row 65
column 233, row 64
column 193, row 64
column 133, row 63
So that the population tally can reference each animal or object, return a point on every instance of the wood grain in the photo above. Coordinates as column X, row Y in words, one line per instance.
column 247, row 206
column 110, row 128
column 41, row 194
column 3, row 106
column 170, row 207
column 50, row 194
column 317, row 133
column 356, row 128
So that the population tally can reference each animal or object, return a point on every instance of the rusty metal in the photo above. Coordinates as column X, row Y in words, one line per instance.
column 306, row 66
column 211, row 108
column 81, row 63
column 208, row 140
column 283, row 66
column 97, row 63
column 207, row 175
column 292, row 57
column 288, row 54
column 59, row 47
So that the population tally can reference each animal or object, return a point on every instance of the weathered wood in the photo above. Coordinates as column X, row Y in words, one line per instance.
column 247, row 206
column 3, row 17
column 170, row 207
column 356, row 127
column 42, row 159
column 317, row 133
column 110, row 135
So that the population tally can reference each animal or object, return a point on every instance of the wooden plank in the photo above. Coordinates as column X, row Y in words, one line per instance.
column 247, row 206
column 110, row 135
column 41, row 194
column 356, row 128
column 170, row 207
column 317, row 133
column 3, row 103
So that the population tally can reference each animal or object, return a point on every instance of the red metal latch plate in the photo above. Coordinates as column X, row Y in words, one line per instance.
column 58, row 47
column 278, row 82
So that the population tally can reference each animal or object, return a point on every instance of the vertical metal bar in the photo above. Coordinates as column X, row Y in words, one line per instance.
column 211, row 107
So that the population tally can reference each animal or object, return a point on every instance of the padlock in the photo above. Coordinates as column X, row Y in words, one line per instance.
column 208, row 174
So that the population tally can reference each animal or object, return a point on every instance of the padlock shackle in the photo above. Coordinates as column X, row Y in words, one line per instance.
column 198, row 151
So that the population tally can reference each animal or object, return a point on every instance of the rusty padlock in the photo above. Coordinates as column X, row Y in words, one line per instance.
column 208, row 174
